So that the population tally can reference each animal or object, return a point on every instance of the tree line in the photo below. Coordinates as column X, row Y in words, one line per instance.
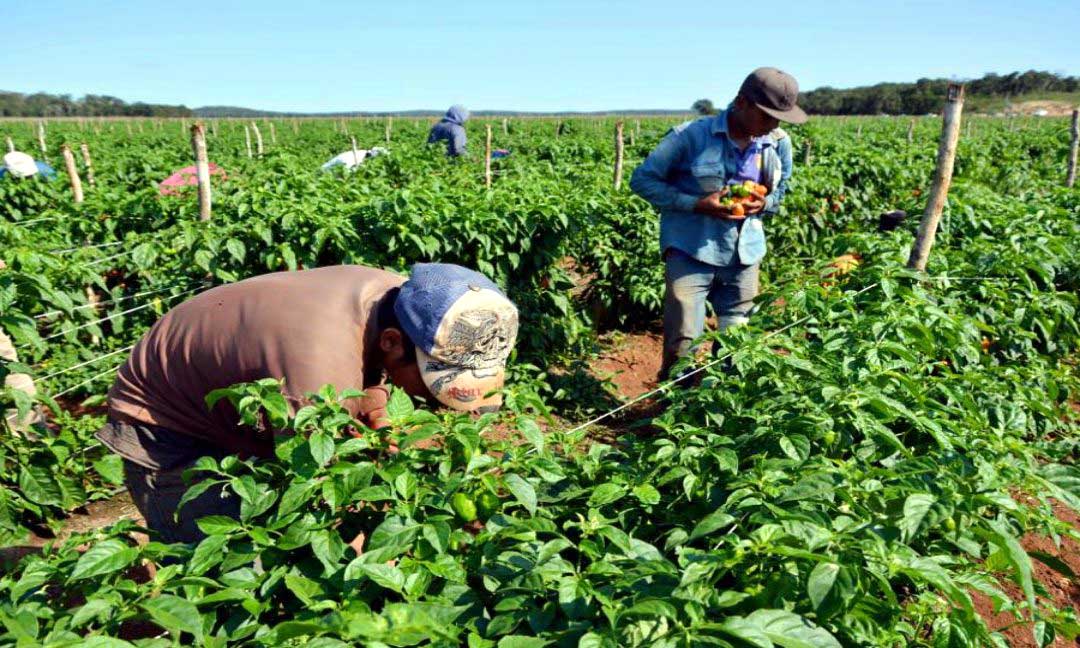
column 928, row 95
column 40, row 104
column 922, row 96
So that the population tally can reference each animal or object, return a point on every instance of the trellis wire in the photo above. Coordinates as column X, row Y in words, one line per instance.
column 668, row 384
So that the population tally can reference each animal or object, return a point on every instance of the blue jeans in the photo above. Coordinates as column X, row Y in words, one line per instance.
column 689, row 283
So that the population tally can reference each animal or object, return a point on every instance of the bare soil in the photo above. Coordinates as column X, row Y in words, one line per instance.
column 1064, row 592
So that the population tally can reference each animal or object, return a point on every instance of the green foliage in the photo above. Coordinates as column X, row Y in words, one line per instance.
column 849, row 477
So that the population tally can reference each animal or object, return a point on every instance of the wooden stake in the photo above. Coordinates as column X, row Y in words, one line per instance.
column 73, row 173
column 910, row 131
column 807, row 153
column 618, row 154
column 637, row 127
column 295, row 127
column 558, row 128
column 128, row 124
column 1071, row 176
column 202, row 169
column 89, row 164
column 247, row 138
column 487, row 157
column 10, row 145
column 950, row 135
column 858, row 131
column 41, row 138
column 213, row 128
column 355, row 151
column 389, row 128
column 506, row 127
column 258, row 139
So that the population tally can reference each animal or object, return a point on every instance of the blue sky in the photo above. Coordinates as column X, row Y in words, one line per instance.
column 507, row 54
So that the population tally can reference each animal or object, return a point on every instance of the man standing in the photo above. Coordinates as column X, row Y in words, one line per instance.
column 445, row 333
column 451, row 129
column 712, row 250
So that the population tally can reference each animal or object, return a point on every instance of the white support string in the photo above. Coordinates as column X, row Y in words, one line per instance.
column 114, row 316
column 667, row 385
column 88, row 380
column 87, row 247
column 84, row 364
column 114, row 301
column 33, row 220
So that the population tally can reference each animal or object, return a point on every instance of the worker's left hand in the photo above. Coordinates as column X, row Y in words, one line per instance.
column 754, row 206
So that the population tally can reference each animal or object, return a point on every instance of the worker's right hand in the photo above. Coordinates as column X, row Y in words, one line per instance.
column 373, row 407
column 710, row 205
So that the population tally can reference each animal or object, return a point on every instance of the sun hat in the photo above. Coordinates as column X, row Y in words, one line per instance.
column 19, row 164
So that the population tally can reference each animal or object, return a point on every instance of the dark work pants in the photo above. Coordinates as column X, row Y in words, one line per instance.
column 157, row 493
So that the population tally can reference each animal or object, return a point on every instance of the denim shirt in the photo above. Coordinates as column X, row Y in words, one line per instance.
column 694, row 160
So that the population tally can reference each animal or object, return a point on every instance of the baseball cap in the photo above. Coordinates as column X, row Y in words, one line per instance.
column 775, row 92
column 19, row 164
column 464, row 329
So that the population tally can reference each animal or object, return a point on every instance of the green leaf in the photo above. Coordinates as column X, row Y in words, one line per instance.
column 39, row 486
column 175, row 614
column 606, row 494
column 531, row 431
column 386, row 576
column 647, row 494
column 399, row 406
column 237, row 249
column 111, row 468
column 790, row 630
column 711, row 523
column 916, row 506
column 522, row 641
column 208, row 553
column 744, row 630
column 821, row 581
column 1001, row 536
column 322, row 447
column 105, row 557
column 217, row 524
column 523, row 492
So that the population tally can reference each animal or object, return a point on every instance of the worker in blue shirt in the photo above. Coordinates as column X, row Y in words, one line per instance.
column 712, row 251
column 451, row 129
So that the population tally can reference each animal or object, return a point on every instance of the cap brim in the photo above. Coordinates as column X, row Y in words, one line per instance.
column 794, row 115
column 459, row 388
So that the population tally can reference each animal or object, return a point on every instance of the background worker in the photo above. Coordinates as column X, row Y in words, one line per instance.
column 451, row 129
column 711, row 252
column 444, row 334
column 21, row 165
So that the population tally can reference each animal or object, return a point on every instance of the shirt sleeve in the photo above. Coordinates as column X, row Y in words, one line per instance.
column 650, row 180
column 783, row 150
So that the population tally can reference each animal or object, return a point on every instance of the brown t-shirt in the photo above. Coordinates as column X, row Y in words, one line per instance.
column 309, row 327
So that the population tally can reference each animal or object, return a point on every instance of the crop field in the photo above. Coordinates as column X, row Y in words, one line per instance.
column 882, row 458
